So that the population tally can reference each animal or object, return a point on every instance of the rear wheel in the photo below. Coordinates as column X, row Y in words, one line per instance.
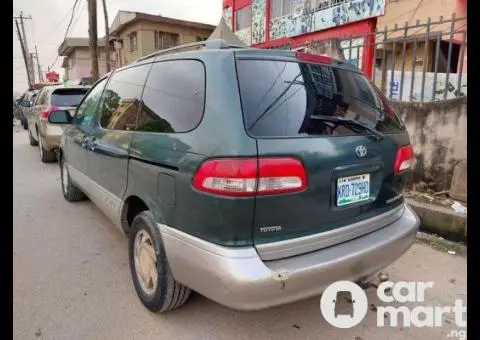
column 47, row 156
column 32, row 141
column 70, row 191
column 151, row 273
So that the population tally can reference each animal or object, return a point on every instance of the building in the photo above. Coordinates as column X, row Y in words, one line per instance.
column 77, row 62
column 135, row 34
column 300, row 24
column 416, row 14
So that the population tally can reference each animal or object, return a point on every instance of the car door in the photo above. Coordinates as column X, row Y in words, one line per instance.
column 38, row 106
column 75, row 136
column 112, row 133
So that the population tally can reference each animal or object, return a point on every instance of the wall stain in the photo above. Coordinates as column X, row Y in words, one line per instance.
column 434, row 152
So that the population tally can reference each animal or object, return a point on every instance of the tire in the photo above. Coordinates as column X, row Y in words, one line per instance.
column 46, row 156
column 32, row 141
column 25, row 124
column 166, row 294
column 70, row 191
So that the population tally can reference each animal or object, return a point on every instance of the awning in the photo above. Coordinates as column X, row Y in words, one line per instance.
column 224, row 32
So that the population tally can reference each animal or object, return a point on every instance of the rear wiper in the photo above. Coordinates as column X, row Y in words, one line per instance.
column 349, row 121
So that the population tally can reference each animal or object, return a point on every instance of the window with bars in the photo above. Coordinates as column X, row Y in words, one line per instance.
column 133, row 41
column 243, row 18
column 164, row 40
column 279, row 8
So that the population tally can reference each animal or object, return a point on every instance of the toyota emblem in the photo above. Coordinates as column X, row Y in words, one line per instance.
column 361, row 151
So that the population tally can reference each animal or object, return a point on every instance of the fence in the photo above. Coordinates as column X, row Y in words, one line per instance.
column 417, row 62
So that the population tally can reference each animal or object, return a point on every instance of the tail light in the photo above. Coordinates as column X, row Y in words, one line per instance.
column 46, row 113
column 405, row 159
column 250, row 176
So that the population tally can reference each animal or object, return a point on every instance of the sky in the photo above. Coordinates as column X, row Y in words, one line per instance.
column 50, row 19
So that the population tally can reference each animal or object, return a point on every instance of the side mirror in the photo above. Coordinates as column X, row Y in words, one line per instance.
column 60, row 117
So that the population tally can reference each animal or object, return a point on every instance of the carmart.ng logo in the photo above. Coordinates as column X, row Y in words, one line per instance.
column 355, row 305
column 331, row 302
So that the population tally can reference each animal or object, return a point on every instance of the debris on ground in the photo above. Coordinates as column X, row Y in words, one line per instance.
column 440, row 198
column 452, row 252
column 459, row 207
column 440, row 244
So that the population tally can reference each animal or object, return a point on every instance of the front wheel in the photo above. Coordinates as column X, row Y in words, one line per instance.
column 151, row 273
column 25, row 123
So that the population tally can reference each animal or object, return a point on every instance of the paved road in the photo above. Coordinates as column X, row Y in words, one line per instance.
column 72, row 281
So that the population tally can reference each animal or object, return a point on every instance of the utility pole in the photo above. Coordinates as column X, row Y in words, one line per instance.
column 107, row 36
column 93, row 36
column 32, row 66
column 29, row 59
column 40, row 75
column 25, row 59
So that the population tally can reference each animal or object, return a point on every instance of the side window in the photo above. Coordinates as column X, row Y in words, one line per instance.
column 41, row 98
column 121, row 98
column 174, row 97
column 87, row 108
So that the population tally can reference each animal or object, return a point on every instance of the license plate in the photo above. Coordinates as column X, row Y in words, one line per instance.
column 353, row 189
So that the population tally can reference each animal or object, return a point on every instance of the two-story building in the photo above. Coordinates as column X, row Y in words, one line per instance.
column 298, row 24
column 416, row 14
column 77, row 61
column 136, row 34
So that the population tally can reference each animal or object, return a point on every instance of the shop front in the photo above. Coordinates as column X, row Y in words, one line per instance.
column 308, row 26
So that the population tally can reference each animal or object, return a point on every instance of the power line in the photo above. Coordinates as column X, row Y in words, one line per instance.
column 66, row 32
column 64, row 17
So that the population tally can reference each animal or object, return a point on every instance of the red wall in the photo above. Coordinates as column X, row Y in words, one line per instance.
column 364, row 28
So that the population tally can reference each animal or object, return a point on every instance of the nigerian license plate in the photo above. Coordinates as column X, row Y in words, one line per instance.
column 353, row 189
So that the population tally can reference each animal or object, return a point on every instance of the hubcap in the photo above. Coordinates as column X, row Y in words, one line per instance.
column 64, row 177
column 145, row 262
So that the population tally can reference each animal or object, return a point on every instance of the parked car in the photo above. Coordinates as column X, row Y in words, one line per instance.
column 254, row 177
column 17, row 110
column 26, row 103
column 44, row 130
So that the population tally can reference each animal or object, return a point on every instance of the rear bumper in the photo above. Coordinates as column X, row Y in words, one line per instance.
column 239, row 279
column 52, row 136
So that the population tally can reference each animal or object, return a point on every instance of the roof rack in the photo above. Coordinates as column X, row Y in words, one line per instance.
column 214, row 44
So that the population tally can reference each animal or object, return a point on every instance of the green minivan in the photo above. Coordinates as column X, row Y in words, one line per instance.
column 253, row 177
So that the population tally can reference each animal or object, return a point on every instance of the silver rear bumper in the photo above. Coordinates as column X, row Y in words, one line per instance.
column 239, row 279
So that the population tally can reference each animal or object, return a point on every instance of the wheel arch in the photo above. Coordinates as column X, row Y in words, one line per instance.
column 132, row 205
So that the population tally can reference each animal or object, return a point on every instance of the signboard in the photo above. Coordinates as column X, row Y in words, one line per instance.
column 52, row 77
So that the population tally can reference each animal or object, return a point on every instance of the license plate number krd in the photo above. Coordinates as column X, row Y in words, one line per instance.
column 353, row 189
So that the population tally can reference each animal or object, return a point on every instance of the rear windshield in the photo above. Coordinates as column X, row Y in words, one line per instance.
column 279, row 97
column 68, row 97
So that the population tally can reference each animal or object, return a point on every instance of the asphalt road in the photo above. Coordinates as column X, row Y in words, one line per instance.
column 71, row 279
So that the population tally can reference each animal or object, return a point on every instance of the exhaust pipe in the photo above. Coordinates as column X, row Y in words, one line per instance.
column 373, row 281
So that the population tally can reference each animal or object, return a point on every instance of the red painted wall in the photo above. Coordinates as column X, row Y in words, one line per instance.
column 239, row 4
column 365, row 28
